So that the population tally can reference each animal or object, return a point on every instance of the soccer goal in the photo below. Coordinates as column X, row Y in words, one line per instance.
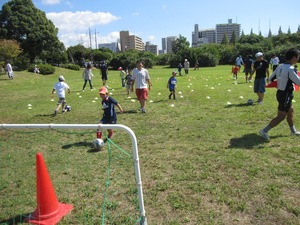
column 135, row 155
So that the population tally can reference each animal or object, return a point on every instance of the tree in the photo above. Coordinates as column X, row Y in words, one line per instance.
column 279, row 30
column 270, row 34
column 224, row 40
column 289, row 30
column 22, row 21
column 9, row 49
column 298, row 31
column 180, row 44
column 233, row 38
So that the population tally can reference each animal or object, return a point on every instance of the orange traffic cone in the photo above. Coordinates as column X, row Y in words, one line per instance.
column 49, row 211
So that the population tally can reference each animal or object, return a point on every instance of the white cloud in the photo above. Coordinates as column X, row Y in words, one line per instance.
column 135, row 14
column 73, row 26
column 151, row 38
column 51, row 2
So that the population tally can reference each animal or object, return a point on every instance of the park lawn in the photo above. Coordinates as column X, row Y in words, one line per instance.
column 202, row 160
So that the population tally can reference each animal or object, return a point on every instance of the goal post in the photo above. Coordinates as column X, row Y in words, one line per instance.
column 101, row 127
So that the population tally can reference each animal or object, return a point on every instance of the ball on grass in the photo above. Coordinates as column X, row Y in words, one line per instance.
column 98, row 144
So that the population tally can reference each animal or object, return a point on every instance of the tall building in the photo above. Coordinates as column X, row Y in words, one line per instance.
column 114, row 46
column 151, row 48
column 130, row 42
column 167, row 44
column 228, row 30
column 200, row 37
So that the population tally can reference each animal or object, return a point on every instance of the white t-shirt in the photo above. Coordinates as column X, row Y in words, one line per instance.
column 140, row 77
column 274, row 61
column 9, row 68
column 60, row 88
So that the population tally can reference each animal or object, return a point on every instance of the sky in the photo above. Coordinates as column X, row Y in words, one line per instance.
column 91, row 22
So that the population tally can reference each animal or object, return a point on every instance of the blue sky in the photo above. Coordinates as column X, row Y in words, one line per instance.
column 152, row 20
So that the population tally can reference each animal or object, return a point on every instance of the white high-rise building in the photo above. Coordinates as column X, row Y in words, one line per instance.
column 228, row 30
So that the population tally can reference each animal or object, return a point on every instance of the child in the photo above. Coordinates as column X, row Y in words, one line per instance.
column 128, row 80
column 108, row 106
column 60, row 88
column 87, row 76
column 122, row 76
column 172, row 84
column 235, row 70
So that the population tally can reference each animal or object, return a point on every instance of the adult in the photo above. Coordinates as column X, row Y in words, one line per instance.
column 141, row 81
column 274, row 62
column 186, row 66
column 104, row 72
column 10, row 71
column 87, row 76
column 248, row 64
column 261, row 70
column 286, row 78
column 239, row 61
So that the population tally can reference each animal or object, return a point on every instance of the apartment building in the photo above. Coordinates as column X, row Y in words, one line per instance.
column 130, row 42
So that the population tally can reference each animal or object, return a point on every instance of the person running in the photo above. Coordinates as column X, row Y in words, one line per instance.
column 172, row 85
column 286, row 78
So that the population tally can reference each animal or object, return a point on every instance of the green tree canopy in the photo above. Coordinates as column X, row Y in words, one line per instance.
column 180, row 44
column 9, row 49
column 23, row 22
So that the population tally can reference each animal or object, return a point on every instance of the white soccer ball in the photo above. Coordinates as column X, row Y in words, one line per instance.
column 250, row 102
column 98, row 144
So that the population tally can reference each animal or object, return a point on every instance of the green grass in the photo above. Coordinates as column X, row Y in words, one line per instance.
column 202, row 161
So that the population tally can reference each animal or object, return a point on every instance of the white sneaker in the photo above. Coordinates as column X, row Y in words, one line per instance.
column 296, row 133
column 264, row 135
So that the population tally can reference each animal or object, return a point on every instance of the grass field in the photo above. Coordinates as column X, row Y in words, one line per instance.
column 202, row 160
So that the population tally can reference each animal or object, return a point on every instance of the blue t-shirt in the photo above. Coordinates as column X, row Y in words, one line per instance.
column 172, row 83
column 108, row 106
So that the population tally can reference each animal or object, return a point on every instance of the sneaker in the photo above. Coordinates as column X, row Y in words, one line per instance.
column 264, row 135
column 63, row 111
column 143, row 111
column 296, row 133
column 55, row 112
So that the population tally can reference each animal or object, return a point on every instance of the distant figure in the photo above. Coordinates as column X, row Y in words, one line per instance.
column 196, row 65
column 179, row 67
column 274, row 62
column 248, row 67
column 122, row 76
column 104, row 72
column 235, row 70
column 128, row 81
column 239, row 61
column 261, row 69
column 186, row 66
column 87, row 76
column 172, row 85
column 10, row 71
column 60, row 88
column 36, row 69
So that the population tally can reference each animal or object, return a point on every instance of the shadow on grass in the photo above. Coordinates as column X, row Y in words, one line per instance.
column 15, row 220
column 77, row 144
column 45, row 115
column 239, row 105
column 131, row 111
column 249, row 141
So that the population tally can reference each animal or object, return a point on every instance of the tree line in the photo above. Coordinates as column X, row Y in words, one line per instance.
column 27, row 37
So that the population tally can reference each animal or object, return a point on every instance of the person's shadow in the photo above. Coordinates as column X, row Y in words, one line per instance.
column 19, row 219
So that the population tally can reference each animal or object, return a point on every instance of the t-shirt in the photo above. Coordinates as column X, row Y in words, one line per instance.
column 140, row 77
column 60, row 88
column 128, row 79
column 172, row 82
column 248, row 63
column 261, row 68
column 108, row 106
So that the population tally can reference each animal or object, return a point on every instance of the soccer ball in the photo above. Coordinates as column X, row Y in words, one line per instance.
column 98, row 144
column 250, row 102
column 68, row 108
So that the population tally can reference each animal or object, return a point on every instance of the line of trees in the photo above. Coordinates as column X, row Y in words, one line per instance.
column 28, row 37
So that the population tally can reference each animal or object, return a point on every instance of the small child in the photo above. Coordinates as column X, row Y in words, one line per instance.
column 235, row 70
column 172, row 84
column 122, row 76
column 60, row 88
column 108, row 106
column 128, row 80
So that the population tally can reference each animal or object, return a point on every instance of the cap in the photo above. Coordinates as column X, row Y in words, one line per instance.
column 185, row 60
column 120, row 68
column 103, row 90
column 61, row 78
column 174, row 73
column 259, row 54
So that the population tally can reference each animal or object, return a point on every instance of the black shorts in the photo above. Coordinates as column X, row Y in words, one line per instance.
column 284, row 99
column 111, row 120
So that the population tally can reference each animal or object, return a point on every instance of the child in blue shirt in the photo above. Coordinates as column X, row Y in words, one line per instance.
column 172, row 84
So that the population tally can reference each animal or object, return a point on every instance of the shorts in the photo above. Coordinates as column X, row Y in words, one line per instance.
column 141, row 94
column 111, row 120
column 247, row 71
column 104, row 75
column 61, row 100
column 128, row 86
column 284, row 100
column 260, row 85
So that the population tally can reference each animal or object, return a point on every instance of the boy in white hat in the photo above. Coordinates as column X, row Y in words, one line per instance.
column 60, row 87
